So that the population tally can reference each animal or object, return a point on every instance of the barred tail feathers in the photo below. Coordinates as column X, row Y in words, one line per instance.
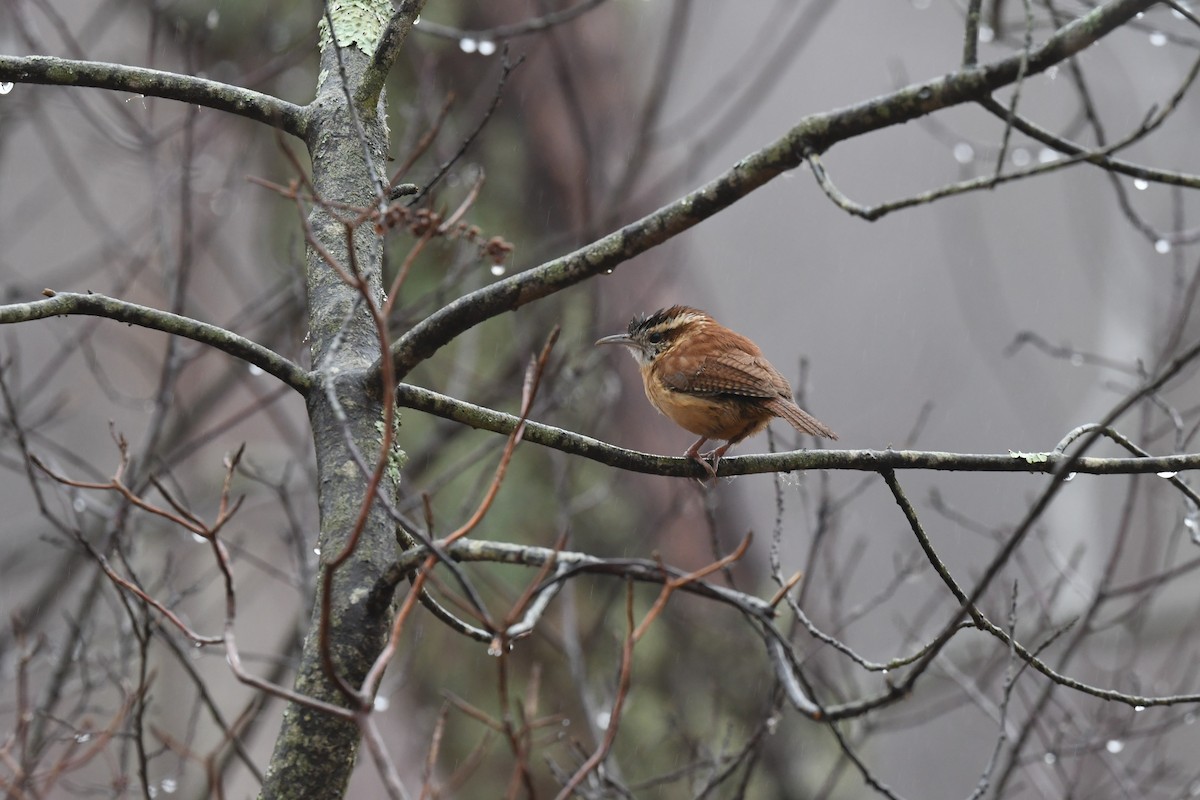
column 798, row 418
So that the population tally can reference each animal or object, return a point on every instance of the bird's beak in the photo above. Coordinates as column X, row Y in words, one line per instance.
column 617, row 338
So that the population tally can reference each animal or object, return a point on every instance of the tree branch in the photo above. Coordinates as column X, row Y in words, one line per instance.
column 863, row 460
column 1099, row 155
column 52, row 71
column 98, row 305
column 571, row 564
column 529, row 26
column 1060, row 475
column 815, row 133
column 386, row 52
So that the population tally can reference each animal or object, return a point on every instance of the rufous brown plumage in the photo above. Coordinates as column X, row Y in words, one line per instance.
column 710, row 380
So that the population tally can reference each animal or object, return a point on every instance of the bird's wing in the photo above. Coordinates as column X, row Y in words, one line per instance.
column 729, row 372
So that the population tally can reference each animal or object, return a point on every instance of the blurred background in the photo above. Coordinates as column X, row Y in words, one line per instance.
column 987, row 322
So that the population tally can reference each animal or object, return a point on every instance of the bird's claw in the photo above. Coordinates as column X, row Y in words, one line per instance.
column 710, row 461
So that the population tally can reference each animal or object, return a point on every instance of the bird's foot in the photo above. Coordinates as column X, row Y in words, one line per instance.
column 714, row 456
column 693, row 453
column 710, row 468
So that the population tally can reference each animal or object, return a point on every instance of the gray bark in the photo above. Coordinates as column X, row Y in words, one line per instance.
column 315, row 753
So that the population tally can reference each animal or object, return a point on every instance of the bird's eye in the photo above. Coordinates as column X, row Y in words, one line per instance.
column 654, row 338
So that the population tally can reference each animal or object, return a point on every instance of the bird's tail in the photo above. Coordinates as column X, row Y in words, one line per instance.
column 798, row 418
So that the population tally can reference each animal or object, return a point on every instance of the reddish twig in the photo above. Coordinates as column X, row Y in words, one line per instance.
column 533, row 378
column 210, row 533
column 623, row 682
column 625, row 677
column 435, row 744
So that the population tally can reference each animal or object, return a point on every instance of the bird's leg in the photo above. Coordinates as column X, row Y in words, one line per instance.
column 693, row 453
column 716, row 455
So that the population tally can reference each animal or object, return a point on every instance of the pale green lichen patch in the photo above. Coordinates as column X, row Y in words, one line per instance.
column 356, row 22
column 397, row 458
column 62, row 74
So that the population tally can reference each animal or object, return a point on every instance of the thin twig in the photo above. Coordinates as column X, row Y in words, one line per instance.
column 506, row 69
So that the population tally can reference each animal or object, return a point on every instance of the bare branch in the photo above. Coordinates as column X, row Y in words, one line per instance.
column 864, row 460
column 386, row 52
column 815, row 133
column 1060, row 475
column 506, row 70
column 533, row 25
column 52, row 71
column 97, row 305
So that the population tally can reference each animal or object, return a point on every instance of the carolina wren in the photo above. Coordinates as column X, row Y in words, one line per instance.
column 709, row 380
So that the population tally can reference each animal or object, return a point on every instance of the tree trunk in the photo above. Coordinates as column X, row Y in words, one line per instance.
column 315, row 753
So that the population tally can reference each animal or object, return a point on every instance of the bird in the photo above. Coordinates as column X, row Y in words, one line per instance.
column 710, row 380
